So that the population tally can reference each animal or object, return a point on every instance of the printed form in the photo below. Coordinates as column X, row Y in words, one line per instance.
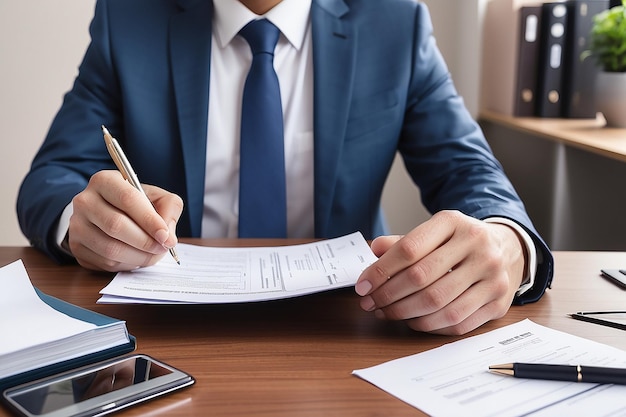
column 223, row 275
column 453, row 380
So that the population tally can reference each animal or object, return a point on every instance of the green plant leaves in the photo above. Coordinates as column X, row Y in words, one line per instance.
column 608, row 39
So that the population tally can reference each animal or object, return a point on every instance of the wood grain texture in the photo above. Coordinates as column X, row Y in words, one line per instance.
column 295, row 357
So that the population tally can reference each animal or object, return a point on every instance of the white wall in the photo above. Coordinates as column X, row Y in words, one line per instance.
column 42, row 43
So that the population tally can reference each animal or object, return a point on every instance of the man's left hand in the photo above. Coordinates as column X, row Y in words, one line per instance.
column 449, row 275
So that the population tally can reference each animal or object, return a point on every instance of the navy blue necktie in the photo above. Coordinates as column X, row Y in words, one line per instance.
column 262, row 192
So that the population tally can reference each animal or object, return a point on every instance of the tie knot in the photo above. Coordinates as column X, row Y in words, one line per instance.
column 261, row 35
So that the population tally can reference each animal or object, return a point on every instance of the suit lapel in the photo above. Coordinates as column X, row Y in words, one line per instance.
column 190, row 45
column 334, row 52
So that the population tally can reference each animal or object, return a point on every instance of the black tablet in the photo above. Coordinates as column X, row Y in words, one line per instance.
column 97, row 389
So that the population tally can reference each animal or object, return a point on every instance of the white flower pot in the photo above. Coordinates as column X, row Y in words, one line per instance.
column 611, row 97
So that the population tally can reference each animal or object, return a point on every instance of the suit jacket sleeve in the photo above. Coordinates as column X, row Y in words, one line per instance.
column 73, row 149
column 452, row 162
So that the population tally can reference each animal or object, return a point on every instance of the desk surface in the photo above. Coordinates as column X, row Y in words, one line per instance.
column 295, row 357
column 586, row 134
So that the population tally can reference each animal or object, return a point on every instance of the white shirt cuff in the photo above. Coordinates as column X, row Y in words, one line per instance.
column 531, row 250
column 63, row 226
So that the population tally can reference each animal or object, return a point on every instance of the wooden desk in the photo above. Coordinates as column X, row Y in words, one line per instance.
column 295, row 357
column 570, row 174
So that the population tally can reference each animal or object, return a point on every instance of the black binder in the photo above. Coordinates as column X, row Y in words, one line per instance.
column 527, row 60
column 579, row 75
column 551, row 59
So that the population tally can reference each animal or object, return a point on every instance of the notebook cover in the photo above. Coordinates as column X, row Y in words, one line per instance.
column 66, row 365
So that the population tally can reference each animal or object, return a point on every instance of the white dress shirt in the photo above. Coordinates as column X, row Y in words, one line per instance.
column 230, row 62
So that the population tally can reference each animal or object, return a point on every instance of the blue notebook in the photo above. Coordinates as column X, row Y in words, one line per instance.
column 119, row 344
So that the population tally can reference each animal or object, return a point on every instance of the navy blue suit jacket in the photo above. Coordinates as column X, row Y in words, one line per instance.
column 380, row 86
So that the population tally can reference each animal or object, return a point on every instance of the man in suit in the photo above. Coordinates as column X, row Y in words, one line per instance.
column 359, row 81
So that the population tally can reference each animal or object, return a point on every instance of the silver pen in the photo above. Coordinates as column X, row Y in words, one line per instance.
column 122, row 164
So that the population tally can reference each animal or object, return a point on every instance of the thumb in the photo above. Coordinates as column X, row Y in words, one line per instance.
column 381, row 244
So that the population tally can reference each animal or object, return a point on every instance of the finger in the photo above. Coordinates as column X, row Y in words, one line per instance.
column 169, row 206
column 435, row 324
column 134, row 205
column 429, row 286
column 91, row 208
column 432, row 282
column 405, row 252
column 98, row 251
column 430, row 277
column 485, row 300
column 363, row 286
column 95, row 261
column 381, row 244
column 428, row 300
column 417, row 276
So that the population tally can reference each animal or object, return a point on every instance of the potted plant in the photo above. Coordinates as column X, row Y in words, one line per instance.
column 608, row 47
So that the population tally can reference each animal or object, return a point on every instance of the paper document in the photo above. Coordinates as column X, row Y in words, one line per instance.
column 26, row 320
column 453, row 380
column 224, row 275
column 34, row 335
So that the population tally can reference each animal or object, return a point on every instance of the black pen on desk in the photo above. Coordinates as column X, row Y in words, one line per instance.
column 602, row 318
column 122, row 164
column 571, row 373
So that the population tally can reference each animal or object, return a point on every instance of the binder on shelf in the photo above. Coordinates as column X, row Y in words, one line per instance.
column 527, row 61
column 579, row 75
column 551, row 59
column 501, row 31
column 92, row 337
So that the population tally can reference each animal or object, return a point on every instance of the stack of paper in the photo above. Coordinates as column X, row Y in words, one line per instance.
column 41, row 334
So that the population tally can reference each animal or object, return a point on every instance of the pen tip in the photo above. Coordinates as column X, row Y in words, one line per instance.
column 174, row 255
column 501, row 366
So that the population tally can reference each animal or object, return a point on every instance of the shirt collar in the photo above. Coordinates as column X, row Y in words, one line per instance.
column 289, row 16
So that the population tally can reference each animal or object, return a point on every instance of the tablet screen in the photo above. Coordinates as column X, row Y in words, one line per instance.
column 108, row 385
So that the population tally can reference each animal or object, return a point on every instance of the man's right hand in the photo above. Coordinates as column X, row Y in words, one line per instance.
column 115, row 228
